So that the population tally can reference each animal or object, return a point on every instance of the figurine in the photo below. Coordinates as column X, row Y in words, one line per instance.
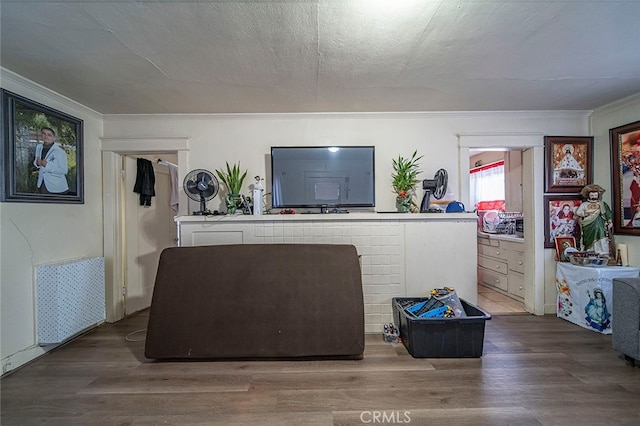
column 594, row 217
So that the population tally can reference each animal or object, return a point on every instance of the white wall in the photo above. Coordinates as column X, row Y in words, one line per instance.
column 215, row 139
column 485, row 158
column 38, row 233
column 33, row 234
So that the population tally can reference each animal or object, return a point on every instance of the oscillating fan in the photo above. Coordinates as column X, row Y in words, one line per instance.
column 201, row 185
column 436, row 186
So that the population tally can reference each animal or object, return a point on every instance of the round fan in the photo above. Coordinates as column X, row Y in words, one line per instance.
column 201, row 185
column 436, row 186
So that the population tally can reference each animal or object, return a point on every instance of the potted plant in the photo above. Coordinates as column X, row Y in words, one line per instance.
column 404, row 179
column 233, row 179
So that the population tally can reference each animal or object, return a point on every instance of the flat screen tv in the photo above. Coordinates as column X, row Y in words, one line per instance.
column 320, row 176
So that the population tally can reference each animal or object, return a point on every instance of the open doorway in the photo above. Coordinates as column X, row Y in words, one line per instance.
column 148, row 228
column 496, row 195
column 119, row 236
column 531, row 145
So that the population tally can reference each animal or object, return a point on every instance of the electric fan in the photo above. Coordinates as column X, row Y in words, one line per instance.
column 201, row 185
column 436, row 186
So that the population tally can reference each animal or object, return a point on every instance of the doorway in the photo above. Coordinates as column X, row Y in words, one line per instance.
column 147, row 230
column 129, row 255
column 532, row 147
column 496, row 186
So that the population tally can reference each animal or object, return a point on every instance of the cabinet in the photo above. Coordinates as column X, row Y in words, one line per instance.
column 513, row 181
column 501, row 264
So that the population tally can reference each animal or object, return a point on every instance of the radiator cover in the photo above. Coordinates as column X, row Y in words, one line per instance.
column 70, row 297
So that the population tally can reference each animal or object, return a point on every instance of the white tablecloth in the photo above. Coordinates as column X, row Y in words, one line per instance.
column 585, row 294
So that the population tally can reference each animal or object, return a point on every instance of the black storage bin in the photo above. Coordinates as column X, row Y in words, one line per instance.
column 458, row 337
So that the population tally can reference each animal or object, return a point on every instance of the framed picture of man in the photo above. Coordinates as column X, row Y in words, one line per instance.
column 560, row 219
column 625, row 177
column 42, row 153
column 568, row 163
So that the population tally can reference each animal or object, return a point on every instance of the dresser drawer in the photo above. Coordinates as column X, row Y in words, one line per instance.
column 512, row 246
column 492, row 264
column 493, row 279
column 484, row 240
column 516, row 261
column 492, row 251
column 516, row 284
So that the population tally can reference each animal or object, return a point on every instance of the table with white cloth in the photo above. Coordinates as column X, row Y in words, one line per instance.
column 585, row 294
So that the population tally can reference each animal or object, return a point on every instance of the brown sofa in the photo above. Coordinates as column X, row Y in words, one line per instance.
column 257, row 301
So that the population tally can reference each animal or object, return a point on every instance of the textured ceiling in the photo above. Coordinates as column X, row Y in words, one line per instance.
column 276, row 56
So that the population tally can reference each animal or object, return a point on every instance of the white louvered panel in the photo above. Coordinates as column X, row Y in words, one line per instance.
column 70, row 298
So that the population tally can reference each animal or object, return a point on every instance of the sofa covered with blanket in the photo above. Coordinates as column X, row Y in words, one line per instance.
column 625, row 327
column 257, row 301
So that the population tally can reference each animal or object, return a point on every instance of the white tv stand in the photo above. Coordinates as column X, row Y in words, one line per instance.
column 401, row 254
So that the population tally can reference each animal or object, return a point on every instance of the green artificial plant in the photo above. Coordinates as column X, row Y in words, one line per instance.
column 405, row 174
column 232, row 178
column 404, row 180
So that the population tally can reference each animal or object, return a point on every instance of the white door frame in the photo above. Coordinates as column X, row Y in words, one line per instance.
column 113, row 209
column 532, row 145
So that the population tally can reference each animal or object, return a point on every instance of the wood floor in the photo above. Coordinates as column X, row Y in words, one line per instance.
column 495, row 303
column 536, row 370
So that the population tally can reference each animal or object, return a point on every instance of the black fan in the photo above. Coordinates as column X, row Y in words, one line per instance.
column 436, row 186
column 201, row 185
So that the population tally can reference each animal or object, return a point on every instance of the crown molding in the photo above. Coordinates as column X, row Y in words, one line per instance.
column 617, row 105
column 563, row 114
column 31, row 86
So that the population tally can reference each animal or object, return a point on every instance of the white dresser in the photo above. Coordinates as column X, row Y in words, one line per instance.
column 501, row 264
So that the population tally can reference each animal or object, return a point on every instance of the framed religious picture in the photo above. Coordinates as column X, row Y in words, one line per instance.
column 41, row 153
column 560, row 219
column 561, row 245
column 568, row 163
column 625, row 177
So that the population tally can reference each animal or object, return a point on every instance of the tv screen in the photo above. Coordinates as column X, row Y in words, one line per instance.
column 340, row 176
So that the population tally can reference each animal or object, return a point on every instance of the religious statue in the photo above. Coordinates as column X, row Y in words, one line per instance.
column 594, row 217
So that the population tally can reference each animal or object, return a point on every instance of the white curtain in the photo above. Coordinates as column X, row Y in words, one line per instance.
column 487, row 183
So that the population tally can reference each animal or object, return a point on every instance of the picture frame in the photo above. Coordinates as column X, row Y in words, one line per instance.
column 561, row 244
column 31, row 129
column 568, row 163
column 560, row 219
column 625, row 178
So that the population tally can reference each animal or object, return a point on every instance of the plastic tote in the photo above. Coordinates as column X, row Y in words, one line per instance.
column 455, row 337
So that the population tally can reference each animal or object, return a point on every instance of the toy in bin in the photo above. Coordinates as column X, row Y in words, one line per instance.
column 448, row 296
column 429, row 308
column 441, row 303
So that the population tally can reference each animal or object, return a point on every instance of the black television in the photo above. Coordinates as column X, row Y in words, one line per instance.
column 322, row 176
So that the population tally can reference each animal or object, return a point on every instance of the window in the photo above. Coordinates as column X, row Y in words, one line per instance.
column 487, row 183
